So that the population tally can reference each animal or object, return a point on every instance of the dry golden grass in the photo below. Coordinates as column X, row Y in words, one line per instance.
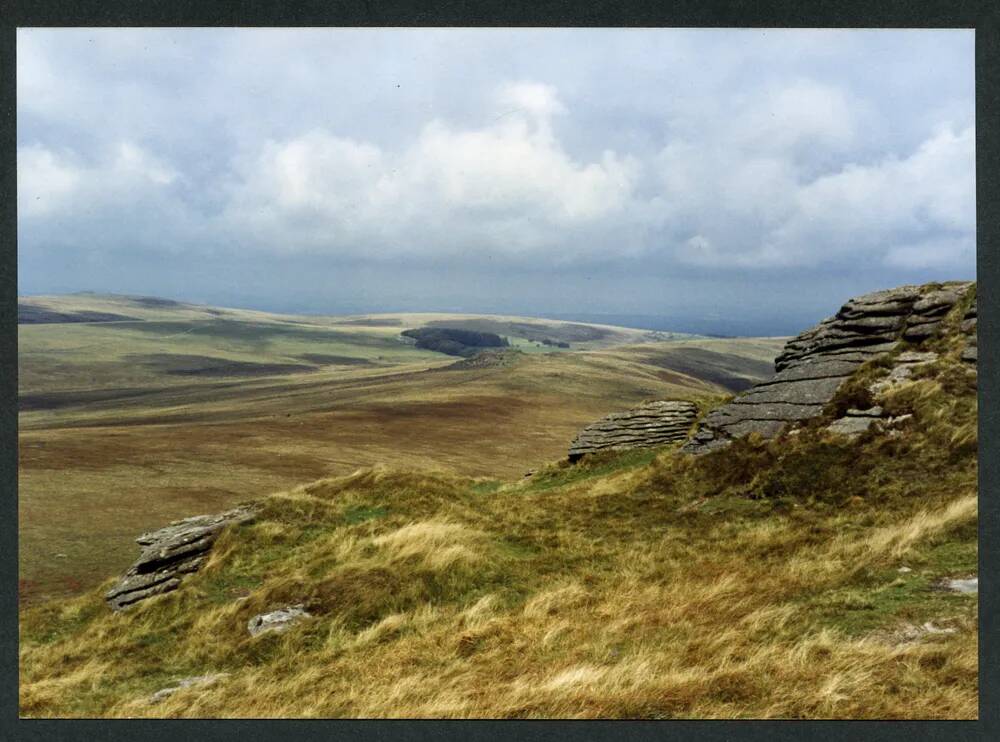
column 764, row 580
column 614, row 588
column 134, row 464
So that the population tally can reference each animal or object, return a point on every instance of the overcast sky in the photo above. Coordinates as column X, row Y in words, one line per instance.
column 754, row 179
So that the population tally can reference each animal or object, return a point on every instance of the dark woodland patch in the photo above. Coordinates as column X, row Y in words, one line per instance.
column 455, row 341
column 565, row 332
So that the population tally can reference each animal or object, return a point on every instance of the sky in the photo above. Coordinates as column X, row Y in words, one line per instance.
column 741, row 181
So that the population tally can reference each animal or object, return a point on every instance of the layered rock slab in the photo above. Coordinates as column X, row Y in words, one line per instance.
column 169, row 553
column 814, row 365
column 650, row 424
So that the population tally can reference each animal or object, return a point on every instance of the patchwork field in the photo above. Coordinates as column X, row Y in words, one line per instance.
column 135, row 411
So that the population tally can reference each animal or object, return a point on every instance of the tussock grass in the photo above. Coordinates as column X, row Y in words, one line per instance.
column 759, row 581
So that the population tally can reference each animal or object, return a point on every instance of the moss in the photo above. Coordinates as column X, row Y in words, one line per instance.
column 359, row 514
column 889, row 599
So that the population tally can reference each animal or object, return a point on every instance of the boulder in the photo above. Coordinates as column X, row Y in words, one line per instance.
column 650, row 424
column 813, row 365
column 170, row 553
column 277, row 621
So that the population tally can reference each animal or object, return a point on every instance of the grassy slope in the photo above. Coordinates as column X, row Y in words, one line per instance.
column 115, row 446
column 758, row 581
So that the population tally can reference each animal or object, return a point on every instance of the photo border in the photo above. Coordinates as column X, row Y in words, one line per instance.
column 984, row 17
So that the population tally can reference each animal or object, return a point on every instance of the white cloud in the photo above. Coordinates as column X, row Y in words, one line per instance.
column 533, row 98
column 52, row 182
column 44, row 179
column 508, row 187
column 730, row 166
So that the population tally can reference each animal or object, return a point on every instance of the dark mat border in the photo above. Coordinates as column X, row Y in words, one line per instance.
column 984, row 16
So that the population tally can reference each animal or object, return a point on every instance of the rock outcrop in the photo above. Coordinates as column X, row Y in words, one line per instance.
column 813, row 365
column 650, row 424
column 170, row 553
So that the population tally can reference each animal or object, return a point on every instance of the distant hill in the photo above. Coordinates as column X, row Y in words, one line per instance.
column 183, row 407
column 814, row 564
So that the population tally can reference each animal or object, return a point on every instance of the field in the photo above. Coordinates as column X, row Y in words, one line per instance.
column 796, row 578
column 179, row 409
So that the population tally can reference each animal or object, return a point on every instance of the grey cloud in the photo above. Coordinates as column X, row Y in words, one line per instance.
column 437, row 168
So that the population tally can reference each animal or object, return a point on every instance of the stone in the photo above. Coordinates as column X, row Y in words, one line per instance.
column 813, row 365
column 171, row 552
column 909, row 633
column 850, row 426
column 970, row 354
column 968, row 586
column 915, row 357
column 870, row 412
column 197, row 680
column 278, row 621
column 937, row 303
column 737, row 412
column 816, row 369
column 870, row 324
column 650, row 424
column 808, row 391
column 921, row 332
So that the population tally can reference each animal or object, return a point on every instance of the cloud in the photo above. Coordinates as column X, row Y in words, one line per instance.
column 709, row 156
column 535, row 99
column 59, row 183
column 507, row 187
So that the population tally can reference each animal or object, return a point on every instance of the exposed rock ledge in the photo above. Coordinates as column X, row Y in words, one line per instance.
column 650, row 424
column 170, row 553
column 813, row 365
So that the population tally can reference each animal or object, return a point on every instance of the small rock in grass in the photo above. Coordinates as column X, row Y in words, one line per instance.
column 186, row 683
column 279, row 620
column 970, row 585
column 851, row 426
column 870, row 412
column 904, row 569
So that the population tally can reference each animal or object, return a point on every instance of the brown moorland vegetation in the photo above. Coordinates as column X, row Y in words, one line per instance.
column 789, row 578
column 114, row 441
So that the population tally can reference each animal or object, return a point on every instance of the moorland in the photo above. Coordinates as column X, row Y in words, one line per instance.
column 138, row 410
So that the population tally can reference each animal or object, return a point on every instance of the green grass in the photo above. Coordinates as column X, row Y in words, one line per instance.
column 757, row 581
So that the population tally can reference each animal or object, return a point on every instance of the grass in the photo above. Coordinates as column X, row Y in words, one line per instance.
column 159, row 446
column 748, row 582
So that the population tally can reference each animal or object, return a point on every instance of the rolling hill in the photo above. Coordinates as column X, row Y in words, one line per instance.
column 184, row 408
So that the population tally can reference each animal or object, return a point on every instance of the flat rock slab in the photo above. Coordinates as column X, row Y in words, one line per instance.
column 806, row 391
column 912, row 356
column 170, row 553
column 819, row 368
column 650, row 424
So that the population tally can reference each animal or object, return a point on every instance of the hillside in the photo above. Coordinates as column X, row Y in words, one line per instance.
column 191, row 409
column 802, row 570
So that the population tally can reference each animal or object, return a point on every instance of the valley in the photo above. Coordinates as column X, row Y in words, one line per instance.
column 182, row 409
